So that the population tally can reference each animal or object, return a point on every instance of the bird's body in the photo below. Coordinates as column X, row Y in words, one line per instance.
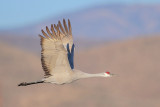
column 57, row 56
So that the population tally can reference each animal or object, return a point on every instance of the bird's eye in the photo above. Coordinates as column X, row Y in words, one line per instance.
column 108, row 72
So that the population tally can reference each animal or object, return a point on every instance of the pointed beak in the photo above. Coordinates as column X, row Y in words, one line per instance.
column 113, row 75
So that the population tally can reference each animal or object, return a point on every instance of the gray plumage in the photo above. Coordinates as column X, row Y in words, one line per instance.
column 57, row 56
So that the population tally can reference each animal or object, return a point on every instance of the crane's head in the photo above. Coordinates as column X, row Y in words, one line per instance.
column 108, row 74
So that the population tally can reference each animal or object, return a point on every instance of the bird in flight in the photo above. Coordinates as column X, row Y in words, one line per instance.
column 57, row 57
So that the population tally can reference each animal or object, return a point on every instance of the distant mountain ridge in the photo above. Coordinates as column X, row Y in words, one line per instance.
column 107, row 22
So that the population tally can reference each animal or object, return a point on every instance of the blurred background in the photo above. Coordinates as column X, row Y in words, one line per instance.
column 122, row 36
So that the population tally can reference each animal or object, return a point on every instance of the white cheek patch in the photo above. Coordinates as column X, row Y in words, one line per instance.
column 107, row 75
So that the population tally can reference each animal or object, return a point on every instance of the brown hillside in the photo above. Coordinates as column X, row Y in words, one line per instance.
column 135, row 61
column 137, row 64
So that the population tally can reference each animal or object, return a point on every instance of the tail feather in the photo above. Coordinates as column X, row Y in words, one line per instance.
column 30, row 83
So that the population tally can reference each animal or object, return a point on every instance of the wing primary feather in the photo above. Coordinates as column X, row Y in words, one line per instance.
column 53, row 31
column 58, row 32
column 65, row 26
column 40, row 36
column 70, row 28
column 61, row 34
column 49, row 32
column 55, row 27
column 60, row 25
column 45, row 34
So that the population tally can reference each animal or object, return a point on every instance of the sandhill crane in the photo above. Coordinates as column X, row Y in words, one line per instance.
column 57, row 56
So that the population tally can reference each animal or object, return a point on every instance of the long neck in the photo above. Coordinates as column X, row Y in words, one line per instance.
column 80, row 74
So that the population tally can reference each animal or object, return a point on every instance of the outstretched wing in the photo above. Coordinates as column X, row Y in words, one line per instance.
column 54, row 56
column 67, row 39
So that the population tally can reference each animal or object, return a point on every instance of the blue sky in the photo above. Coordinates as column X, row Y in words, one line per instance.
column 17, row 13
